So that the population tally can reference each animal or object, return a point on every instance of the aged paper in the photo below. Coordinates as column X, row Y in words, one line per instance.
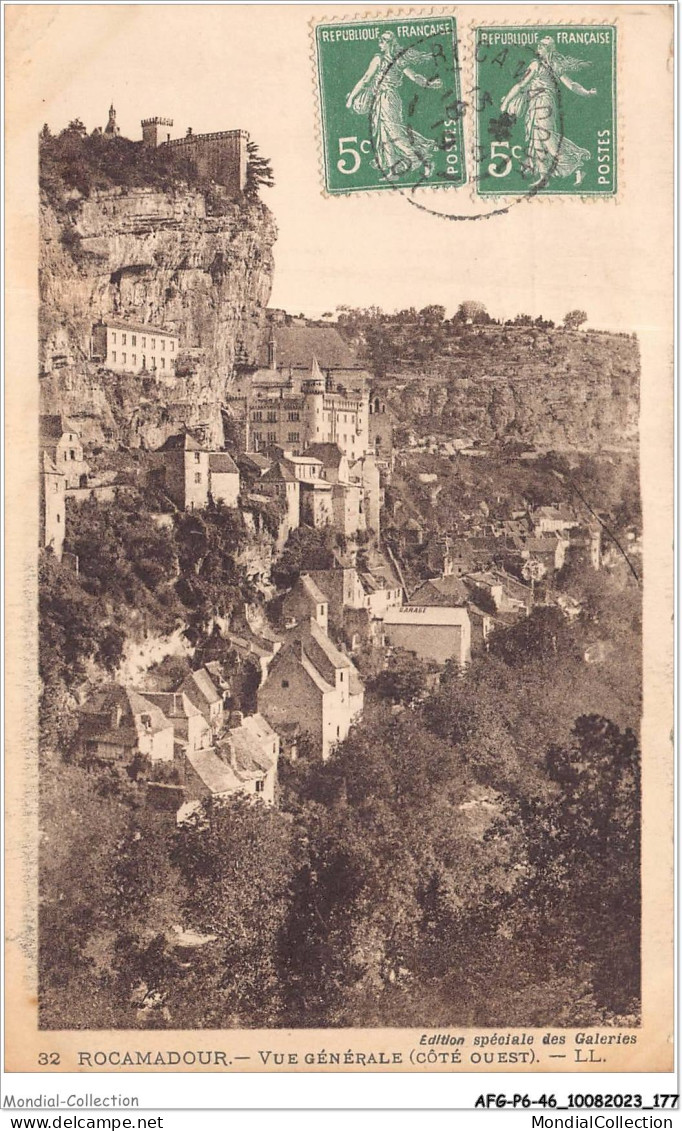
column 338, row 364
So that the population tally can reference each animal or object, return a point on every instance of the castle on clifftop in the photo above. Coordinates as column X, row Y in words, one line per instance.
column 220, row 157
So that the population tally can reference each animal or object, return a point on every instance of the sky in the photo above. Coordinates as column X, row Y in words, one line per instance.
column 236, row 67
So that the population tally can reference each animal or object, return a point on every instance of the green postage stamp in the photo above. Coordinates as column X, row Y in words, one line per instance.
column 546, row 110
column 390, row 103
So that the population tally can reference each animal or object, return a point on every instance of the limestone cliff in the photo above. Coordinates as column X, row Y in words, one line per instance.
column 554, row 389
column 182, row 259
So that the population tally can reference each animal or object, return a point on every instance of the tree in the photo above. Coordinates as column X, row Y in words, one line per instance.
column 471, row 311
column 584, row 855
column 574, row 319
column 258, row 171
column 238, row 861
column 403, row 680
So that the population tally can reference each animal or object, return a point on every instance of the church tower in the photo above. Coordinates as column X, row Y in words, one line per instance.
column 111, row 129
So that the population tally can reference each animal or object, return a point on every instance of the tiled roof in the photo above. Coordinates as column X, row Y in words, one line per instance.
column 314, row 592
column 174, row 704
column 99, row 707
column 319, row 680
column 278, row 472
column 53, row 427
column 426, row 615
column 138, row 327
column 445, row 591
column 248, row 753
column 259, row 726
column 330, row 454
column 181, row 441
column 295, row 345
column 217, row 775
column 222, row 462
column 255, row 460
column 200, row 681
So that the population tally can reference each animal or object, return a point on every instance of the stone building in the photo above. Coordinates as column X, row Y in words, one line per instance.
column 191, row 475
column 312, row 687
column 305, row 602
column 52, row 506
column 221, row 157
column 380, row 431
column 135, row 347
column 60, row 440
column 116, row 724
column 294, row 412
column 190, row 728
column 433, row 633
column 223, row 475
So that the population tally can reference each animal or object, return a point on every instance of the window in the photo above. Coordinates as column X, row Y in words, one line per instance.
column 163, row 343
column 133, row 339
column 153, row 343
column 163, row 363
column 123, row 339
column 144, row 343
column 197, row 457
column 341, row 677
column 272, row 437
column 72, row 454
column 285, row 683
column 292, row 437
column 197, row 477
column 172, row 346
column 272, row 418
column 113, row 356
column 295, row 416
column 260, row 785
column 257, row 416
column 134, row 359
column 59, row 518
column 113, row 336
column 124, row 358
column 321, row 610
column 338, row 732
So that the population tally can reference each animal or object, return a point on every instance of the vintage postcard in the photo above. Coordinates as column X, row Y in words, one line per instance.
column 339, row 524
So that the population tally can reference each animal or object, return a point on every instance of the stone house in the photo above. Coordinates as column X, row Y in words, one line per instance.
column 180, row 467
column 313, row 685
column 280, row 481
column 254, row 754
column 243, row 762
column 61, row 440
column 191, row 475
column 305, row 601
column 317, row 504
column 189, row 725
column 116, row 724
column 223, row 485
column 201, row 691
column 552, row 520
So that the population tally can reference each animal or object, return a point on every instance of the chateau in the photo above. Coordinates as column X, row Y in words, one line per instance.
column 220, row 157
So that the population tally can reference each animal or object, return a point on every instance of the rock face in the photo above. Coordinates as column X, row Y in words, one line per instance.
column 170, row 259
column 553, row 389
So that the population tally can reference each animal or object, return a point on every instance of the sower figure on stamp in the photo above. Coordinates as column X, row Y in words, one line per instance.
column 535, row 98
column 398, row 148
